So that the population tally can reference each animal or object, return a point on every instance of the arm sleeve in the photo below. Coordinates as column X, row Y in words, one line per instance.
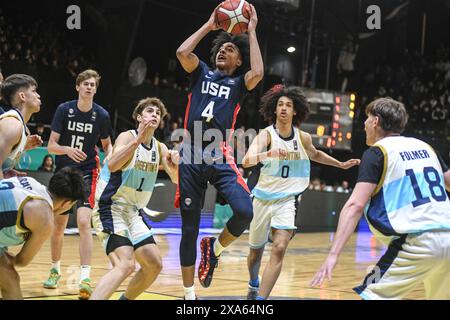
column 371, row 167
column 58, row 120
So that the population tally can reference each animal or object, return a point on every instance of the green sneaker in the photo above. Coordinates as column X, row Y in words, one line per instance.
column 85, row 289
column 52, row 281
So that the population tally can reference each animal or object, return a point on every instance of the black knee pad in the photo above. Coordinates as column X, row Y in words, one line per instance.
column 188, row 243
column 242, row 216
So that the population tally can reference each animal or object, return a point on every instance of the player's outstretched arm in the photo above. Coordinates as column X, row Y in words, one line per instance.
column 348, row 220
column 169, row 161
column 10, row 133
column 322, row 157
column 123, row 151
column 125, row 146
column 189, row 61
column 258, row 150
column 38, row 217
column 256, row 73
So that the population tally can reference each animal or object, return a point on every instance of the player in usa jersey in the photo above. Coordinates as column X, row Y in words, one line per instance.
column 403, row 181
column 215, row 98
column 20, row 92
column 125, row 186
column 282, row 153
column 77, row 127
column 27, row 211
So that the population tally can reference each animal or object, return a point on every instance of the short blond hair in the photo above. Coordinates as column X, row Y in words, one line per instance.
column 87, row 74
column 147, row 102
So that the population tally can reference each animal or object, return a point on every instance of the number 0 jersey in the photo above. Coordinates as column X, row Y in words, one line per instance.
column 281, row 178
column 410, row 196
column 133, row 185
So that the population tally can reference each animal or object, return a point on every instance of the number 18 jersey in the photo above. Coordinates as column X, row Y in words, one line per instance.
column 410, row 196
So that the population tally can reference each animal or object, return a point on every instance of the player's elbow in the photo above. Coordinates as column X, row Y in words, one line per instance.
column 182, row 53
column 355, row 208
column 246, row 163
column 22, row 261
column 259, row 73
column 112, row 166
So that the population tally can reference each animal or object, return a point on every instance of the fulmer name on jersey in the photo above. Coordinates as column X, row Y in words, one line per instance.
column 80, row 127
column 414, row 155
column 215, row 89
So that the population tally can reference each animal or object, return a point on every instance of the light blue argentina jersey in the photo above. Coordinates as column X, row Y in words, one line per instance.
column 14, row 194
column 133, row 185
column 281, row 178
column 410, row 196
column 15, row 154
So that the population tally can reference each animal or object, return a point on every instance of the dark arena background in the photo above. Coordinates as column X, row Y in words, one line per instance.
column 341, row 55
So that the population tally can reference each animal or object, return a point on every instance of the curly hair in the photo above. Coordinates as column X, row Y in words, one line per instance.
column 147, row 102
column 269, row 103
column 240, row 41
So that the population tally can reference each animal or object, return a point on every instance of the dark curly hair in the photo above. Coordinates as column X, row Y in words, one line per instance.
column 270, row 99
column 240, row 41
column 68, row 183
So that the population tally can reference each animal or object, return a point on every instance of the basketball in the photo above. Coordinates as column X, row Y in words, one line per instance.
column 233, row 16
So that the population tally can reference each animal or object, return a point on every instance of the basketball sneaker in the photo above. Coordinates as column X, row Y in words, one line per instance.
column 208, row 261
column 85, row 289
column 52, row 281
column 252, row 292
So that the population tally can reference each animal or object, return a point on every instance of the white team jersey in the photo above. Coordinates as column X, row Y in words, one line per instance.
column 14, row 157
column 14, row 193
column 281, row 178
column 410, row 196
column 133, row 185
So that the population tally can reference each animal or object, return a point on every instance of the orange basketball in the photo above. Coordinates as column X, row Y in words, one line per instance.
column 233, row 16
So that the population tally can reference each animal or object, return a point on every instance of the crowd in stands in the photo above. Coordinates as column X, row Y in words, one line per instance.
column 37, row 48
column 422, row 83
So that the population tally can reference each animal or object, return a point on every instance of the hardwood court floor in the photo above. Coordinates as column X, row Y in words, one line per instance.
column 304, row 256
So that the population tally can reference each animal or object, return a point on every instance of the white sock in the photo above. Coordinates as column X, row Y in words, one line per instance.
column 189, row 293
column 218, row 248
column 85, row 272
column 57, row 266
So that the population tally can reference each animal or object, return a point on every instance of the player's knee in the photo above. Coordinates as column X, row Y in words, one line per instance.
column 84, row 224
column 152, row 264
column 279, row 249
column 240, row 220
column 126, row 266
column 253, row 257
column 9, row 278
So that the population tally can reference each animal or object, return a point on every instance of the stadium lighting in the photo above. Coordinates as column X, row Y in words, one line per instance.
column 291, row 49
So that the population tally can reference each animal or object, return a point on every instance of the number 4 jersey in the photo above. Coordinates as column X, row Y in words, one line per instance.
column 410, row 196
column 81, row 130
column 214, row 100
